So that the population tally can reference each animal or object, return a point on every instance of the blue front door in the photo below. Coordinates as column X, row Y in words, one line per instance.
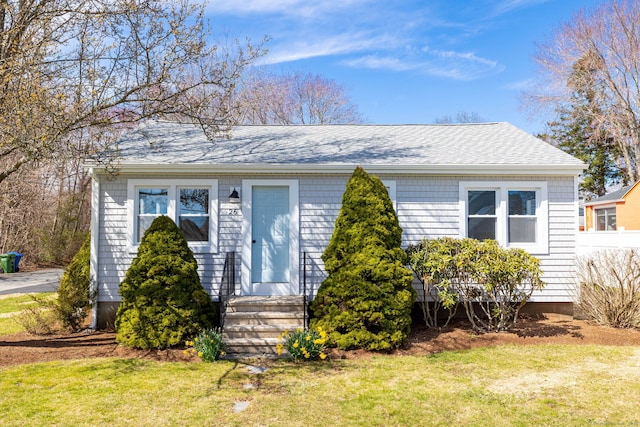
column 270, row 241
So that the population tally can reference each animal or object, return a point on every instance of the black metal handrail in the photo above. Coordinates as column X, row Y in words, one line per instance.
column 305, row 299
column 228, row 284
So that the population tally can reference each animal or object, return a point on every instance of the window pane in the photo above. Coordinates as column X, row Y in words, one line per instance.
column 522, row 230
column 606, row 219
column 522, row 202
column 153, row 201
column 194, row 201
column 195, row 228
column 482, row 228
column 482, row 202
column 143, row 223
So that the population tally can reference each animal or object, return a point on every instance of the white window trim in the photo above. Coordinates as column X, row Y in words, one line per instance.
column 173, row 185
column 391, row 189
column 541, row 246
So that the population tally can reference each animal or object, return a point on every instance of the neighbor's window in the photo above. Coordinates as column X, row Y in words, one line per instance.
column 191, row 203
column 513, row 213
column 606, row 219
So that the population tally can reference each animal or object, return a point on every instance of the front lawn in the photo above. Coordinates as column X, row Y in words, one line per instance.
column 501, row 386
column 12, row 306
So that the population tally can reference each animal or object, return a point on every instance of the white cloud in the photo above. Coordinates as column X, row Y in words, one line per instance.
column 519, row 85
column 375, row 62
column 505, row 6
column 342, row 44
column 440, row 63
column 280, row 7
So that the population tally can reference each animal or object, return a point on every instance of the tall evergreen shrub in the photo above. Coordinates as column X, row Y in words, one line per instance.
column 74, row 293
column 366, row 299
column 163, row 302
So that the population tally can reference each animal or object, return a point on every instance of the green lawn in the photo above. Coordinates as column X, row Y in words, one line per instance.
column 11, row 306
column 502, row 386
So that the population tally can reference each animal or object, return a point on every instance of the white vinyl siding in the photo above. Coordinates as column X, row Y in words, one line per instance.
column 427, row 206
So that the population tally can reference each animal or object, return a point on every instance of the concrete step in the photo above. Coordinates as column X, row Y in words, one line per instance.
column 251, row 346
column 253, row 324
column 265, row 303
column 264, row 318
column 256, row 331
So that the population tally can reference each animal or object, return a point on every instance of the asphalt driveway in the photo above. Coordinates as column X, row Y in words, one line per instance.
column 46, row 280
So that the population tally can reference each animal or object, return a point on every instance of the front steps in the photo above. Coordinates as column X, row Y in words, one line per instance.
column 253, row 324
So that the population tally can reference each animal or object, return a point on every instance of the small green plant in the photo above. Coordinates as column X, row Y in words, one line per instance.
column 208, row 345
column 304, row 344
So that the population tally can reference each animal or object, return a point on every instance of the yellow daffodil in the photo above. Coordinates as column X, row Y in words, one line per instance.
column 323, row 356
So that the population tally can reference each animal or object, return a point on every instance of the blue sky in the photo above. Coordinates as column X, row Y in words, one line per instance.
column 405, row 61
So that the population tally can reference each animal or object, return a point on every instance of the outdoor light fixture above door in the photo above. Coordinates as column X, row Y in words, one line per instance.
column 234, row 197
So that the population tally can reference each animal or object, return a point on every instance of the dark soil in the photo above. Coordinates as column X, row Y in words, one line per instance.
column 550, row 329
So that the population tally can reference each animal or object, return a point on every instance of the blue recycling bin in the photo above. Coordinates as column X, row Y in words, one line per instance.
column 17, row 260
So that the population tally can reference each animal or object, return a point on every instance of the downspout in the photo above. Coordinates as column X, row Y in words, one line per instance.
column 95, row 237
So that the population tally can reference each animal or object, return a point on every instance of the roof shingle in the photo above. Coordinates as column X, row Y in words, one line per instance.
column 497, row 144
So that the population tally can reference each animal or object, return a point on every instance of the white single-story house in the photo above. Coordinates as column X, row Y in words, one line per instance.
column 258, row 208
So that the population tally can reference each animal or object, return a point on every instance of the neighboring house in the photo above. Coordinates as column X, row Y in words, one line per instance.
column 611, row 221
column 259, row 208
column 618, row 210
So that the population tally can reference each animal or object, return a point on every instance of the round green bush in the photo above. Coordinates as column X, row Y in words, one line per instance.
column 163, row 302
column 366, row 299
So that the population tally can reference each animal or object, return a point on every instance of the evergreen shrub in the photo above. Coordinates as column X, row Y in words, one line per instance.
column 491, row 283
column 75, row 295
column 163, row 301
column 366, row 299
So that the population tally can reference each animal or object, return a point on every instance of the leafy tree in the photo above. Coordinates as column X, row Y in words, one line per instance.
column 74, row 293
column 603, row 41
column 366, row 299
column 163, row 302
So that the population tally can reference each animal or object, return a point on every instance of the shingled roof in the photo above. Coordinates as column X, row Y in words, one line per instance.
column 460, row 148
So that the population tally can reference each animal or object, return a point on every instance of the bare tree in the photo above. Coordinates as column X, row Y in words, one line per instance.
column 461, row 117
column 294, row 98
column 70, row 65
column 74, row 74
column 606, row 41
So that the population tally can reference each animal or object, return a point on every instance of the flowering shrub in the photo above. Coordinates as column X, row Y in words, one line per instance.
column 304, row 344
column 208, row 345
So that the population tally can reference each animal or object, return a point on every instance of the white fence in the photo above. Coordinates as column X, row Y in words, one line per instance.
column 590, row 241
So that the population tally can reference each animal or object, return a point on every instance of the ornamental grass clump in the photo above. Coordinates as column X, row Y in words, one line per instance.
column 208, row 345
column 304, row 344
